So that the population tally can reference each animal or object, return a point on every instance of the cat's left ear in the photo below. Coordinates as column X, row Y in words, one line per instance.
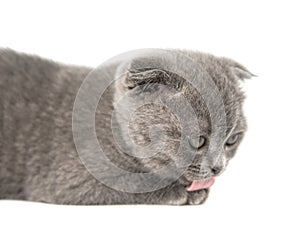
column 238, row 70
column 241, row 72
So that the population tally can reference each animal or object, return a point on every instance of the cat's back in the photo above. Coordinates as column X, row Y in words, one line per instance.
column 23, row 83
column 36, row 97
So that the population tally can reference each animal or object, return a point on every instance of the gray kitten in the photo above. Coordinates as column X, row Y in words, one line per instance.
column 38, row 157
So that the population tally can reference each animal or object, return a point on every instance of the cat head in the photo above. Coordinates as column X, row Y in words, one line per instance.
column 143, row 85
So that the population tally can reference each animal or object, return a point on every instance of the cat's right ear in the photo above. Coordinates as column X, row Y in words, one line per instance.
column 134, row 77
column 140, row 71
column 138, row 77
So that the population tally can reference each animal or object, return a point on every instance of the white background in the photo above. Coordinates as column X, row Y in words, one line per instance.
column 258, row 196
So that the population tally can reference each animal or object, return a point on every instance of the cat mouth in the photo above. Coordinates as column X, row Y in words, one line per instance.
column 200, row 184
column 197, row 184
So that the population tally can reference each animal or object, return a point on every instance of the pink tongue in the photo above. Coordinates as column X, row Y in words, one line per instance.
column 200, row 184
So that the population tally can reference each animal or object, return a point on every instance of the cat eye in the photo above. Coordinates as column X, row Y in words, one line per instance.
column 232, row 140
column 196, row 142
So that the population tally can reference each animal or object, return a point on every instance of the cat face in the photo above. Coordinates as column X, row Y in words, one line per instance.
column 139, row 84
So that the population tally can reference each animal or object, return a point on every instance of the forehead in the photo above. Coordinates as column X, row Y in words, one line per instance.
column 232, row 100
column 232, row 106
column 228, row 90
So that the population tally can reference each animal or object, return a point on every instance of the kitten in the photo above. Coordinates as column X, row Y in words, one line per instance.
column 38, row 157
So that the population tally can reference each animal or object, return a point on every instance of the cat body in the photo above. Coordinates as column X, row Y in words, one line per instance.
column 38, row 157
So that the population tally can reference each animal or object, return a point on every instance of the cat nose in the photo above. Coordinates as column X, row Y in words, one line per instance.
column 216, row 170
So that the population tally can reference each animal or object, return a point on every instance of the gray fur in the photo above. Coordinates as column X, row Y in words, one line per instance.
column 38, row 159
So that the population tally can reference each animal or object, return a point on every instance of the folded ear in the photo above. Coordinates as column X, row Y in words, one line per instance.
column 241, row 72
column 134, row 77
column 137, row 77
column 238, row 70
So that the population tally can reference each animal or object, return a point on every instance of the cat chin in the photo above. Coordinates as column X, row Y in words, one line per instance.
column 197, row 197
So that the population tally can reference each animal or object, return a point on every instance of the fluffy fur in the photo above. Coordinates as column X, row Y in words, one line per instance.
column 38, row 159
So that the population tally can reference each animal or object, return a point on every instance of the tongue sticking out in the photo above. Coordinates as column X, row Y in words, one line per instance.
column 200, row 184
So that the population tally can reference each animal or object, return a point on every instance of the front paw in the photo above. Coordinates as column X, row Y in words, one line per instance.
column 177, row 195
column 197, row 197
